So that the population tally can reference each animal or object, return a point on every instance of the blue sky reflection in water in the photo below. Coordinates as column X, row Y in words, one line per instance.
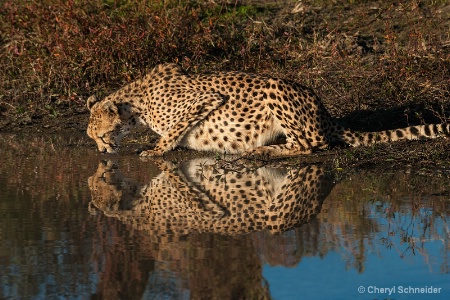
column 389, row 273
column 73, row 225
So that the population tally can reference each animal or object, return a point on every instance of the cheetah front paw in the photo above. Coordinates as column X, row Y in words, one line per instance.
column 151, row 153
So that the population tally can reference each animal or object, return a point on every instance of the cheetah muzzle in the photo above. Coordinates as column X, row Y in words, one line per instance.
column 228, row 112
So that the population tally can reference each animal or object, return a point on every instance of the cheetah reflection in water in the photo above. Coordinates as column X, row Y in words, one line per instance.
column 196, row 196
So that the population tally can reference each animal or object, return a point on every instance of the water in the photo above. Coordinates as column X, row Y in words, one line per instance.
column 78, row 224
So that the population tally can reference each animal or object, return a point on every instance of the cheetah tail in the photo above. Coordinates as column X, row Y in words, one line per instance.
column 419, row 132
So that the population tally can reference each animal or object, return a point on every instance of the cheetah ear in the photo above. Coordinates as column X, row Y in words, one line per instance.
column 110, row 107
column 91, row 101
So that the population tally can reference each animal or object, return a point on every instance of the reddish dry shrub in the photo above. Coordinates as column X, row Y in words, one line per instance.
column 63, row 47
column 67, row 48
column 361, row 55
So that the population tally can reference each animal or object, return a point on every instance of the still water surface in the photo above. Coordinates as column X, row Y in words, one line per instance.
column 78, row 224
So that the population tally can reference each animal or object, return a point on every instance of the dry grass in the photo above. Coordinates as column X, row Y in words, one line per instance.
column 359, row 55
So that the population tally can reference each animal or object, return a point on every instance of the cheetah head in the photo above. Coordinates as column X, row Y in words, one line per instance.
column 105, row 188
column 105, row 126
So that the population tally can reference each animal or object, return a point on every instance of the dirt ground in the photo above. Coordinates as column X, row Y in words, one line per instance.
column 429, row 158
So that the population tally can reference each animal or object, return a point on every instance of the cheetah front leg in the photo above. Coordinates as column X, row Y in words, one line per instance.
column 201, row 107
column 209, row 210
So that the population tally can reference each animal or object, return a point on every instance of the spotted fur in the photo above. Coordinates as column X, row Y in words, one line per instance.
column 195, row 196
column 229, row 112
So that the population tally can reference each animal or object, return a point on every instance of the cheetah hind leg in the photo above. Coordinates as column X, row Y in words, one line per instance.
column 291, row 148
column 201, row 107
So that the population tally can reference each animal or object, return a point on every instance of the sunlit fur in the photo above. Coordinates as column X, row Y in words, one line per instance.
column 229, row 112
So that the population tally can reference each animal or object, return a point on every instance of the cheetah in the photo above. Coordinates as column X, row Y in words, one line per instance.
column 229, row 112
column 196, row 196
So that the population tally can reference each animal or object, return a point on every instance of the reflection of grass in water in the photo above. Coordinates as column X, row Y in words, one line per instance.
column 368, row 212
column 412, row 231
column 35, row 164
column 49, row 173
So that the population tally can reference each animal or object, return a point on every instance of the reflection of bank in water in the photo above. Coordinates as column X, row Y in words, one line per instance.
column 192, row 218
column 196, row 196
